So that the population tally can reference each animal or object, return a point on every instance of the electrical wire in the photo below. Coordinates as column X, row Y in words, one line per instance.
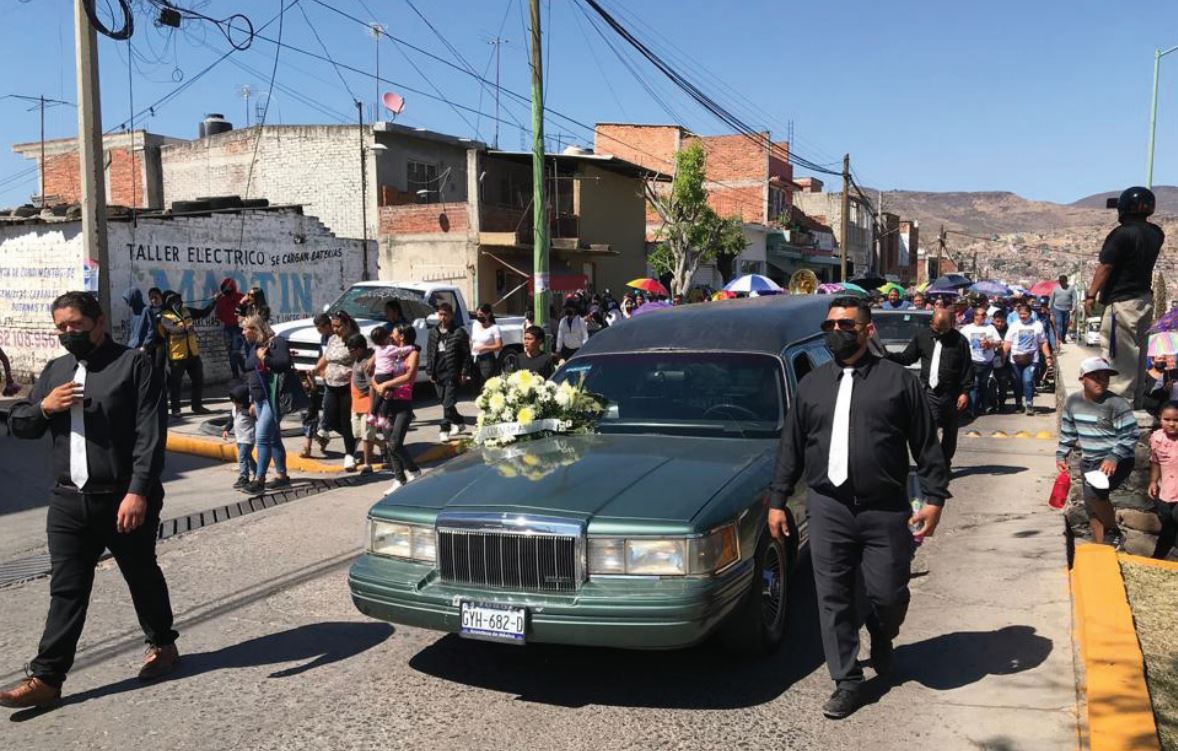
column 342, row 80
column 265, row 111
column 118, row 35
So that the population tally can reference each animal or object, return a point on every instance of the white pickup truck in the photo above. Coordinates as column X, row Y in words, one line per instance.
column 365, row 302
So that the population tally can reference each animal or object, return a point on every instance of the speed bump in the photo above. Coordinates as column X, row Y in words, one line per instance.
column 999, row 434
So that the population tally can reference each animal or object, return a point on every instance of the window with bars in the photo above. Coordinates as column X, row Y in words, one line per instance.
column 424, row 177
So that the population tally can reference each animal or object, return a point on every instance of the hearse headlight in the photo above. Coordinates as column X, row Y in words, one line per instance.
column 413, row 542
column 665, row 556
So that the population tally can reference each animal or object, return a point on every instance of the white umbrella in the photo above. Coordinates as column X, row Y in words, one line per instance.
column 752, row 283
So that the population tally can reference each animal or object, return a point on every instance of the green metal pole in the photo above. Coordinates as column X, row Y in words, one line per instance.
column 1153, row 116
column 539, row 210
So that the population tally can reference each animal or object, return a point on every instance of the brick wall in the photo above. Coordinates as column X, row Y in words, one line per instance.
column 427, row 218
column 652, row 146
column 746, row 202
column 734, row 157
column 125, row 178
column 62, row 178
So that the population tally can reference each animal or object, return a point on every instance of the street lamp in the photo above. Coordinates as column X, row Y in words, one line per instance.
column 1153, row 110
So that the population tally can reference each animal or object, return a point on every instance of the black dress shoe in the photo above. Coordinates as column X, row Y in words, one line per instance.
column 842, row 703
column 201, row 411
column 883, row 657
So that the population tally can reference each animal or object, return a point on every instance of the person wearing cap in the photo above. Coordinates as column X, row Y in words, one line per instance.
column 1101, row 424
column 1124, row 284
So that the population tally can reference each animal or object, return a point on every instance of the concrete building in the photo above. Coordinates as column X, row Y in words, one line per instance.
column 133, row 174
column 296, row 260
column 828, row 208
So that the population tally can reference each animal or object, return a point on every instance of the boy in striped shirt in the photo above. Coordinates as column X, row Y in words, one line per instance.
column 1103, row 426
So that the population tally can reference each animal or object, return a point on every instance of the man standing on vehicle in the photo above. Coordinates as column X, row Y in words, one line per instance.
column 101, row 404
column 1062, row 302
column 894, row 302
column 946, row 370
column 848, row 436
column 449, row 367
column 1124, row 282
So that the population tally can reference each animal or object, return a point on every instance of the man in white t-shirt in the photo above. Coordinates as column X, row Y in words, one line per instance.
column 1025, row 339
column 983, row 341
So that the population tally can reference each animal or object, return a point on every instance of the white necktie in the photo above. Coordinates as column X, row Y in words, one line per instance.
column 840, row 433
column 934, row 368
column 79, row 472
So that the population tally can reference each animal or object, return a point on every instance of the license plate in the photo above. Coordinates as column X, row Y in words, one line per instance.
column 493, row 621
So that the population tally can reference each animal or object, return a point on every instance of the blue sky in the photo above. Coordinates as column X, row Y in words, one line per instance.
column 1048, row 98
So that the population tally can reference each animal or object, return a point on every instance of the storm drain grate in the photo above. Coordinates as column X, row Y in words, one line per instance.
column 34, row 567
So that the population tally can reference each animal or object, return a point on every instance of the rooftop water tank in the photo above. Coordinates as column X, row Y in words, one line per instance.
column 213, row 124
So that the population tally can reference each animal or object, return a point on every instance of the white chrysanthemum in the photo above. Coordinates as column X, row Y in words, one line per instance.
column 493, row 385
column 526, row 415
column 497, row 402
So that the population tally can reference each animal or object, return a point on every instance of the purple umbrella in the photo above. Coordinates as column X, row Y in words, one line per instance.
column 1168, row 322
column 650, row 307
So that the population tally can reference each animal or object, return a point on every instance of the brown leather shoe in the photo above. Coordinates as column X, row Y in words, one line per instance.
column 158, row 662
column 31, row 692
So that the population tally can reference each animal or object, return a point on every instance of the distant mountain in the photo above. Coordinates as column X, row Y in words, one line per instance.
column 1001, row 235
column 1167, row 200
column 986, row 213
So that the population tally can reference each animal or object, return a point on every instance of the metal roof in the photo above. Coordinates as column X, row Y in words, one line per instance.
column 759, row 324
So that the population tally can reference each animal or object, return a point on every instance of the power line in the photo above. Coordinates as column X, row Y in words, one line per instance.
column 335, row 67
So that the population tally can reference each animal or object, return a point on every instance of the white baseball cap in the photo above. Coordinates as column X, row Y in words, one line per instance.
column 1096, row 365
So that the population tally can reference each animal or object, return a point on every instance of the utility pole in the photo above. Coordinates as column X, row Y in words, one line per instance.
column 940, row 252
column 498, row 43
column 880, row 230
column 90, row 154
column 363, row 189
column 377, row 30
column 846, row 222
column 539, row 212
column 1153, row 111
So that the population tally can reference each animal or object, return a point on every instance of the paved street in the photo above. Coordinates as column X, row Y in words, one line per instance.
column 275, row 656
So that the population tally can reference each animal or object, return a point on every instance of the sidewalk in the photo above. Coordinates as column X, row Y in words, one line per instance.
column 192, row 434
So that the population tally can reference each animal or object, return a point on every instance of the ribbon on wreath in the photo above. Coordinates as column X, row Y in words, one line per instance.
column 513, row 430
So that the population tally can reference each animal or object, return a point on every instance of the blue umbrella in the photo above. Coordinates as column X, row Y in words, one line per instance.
column 950, row 282
column 752, row 283
column 990, row 288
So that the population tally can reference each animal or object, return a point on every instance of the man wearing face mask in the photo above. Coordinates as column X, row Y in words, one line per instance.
column 848, row 437
column 946, row 370
column 101, row 404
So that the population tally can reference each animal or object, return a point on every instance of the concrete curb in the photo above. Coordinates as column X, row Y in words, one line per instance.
column 1117, row 708
column 227, row 452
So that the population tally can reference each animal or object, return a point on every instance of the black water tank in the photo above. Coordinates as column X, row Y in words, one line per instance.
column 213, row 124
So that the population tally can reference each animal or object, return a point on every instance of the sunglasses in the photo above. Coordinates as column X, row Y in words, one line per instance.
column 842, row 324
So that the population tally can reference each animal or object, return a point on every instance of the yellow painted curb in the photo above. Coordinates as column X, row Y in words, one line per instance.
column 227, row 452
column 1120, row 717
column 1045, row 435
column 1138, row 560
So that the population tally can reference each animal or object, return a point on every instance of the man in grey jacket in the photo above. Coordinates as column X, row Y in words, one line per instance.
column 1062, row 303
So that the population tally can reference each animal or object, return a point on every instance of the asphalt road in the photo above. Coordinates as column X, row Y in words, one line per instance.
column 276, row 657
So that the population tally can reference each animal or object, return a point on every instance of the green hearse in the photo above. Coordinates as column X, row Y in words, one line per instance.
column 649, row 533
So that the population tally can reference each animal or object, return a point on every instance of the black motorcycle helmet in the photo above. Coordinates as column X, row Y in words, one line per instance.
column 1136, row 201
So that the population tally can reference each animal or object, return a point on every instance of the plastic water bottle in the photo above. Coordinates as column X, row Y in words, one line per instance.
column 916, row 501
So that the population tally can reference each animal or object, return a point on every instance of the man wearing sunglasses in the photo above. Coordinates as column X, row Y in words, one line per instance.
column 848, row 437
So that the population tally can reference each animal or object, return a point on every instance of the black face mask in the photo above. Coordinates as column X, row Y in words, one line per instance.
column 77, row 343
column 842, row 344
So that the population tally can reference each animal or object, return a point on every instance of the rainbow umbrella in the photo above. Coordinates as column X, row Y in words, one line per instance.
column 653, row 286
column 1163, row 344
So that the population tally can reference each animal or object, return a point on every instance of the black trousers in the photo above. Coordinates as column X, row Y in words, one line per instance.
column 196, row 373
column 80, row 527
column 947, row 417
column 1168, row 513
column 447, row 388
column 487, row 366
column 402, row 416
column 337, row 414
column 850, row 543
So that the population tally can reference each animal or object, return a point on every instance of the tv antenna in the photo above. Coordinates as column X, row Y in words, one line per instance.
column 376, row 30
column 246, row 92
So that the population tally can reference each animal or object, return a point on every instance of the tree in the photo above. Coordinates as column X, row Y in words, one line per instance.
column 1160, row 301
column 692, row 233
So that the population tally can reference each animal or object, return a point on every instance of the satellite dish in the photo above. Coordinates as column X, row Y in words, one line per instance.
column 393, row 102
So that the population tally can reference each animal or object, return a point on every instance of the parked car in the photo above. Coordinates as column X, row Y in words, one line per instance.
column 649, row 533
column 895, row 328
column 1092, row 331
column 365, row 302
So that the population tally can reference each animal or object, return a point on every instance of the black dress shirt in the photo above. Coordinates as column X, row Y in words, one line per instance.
column 126, row 427
column 956, row 371
column 1132, row 250
column 889, row 416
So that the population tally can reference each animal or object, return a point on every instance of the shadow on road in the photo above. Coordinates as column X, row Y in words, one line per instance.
column 314, row 646
column 987, row 469
column 703, row 677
